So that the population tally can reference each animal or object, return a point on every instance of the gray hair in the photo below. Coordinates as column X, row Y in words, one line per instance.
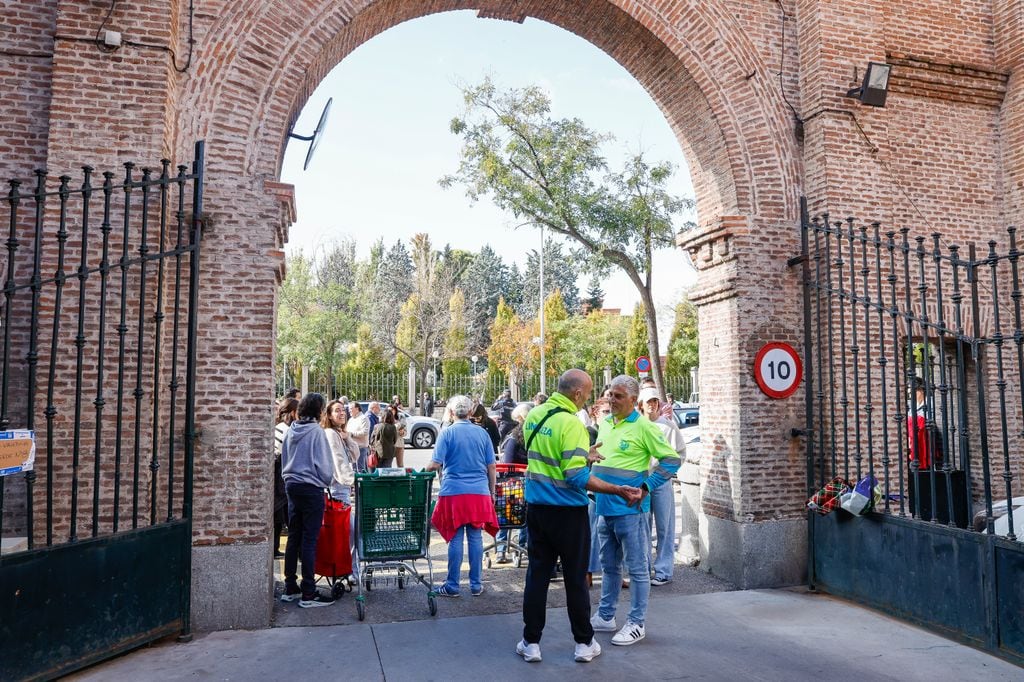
column 519, row 414
column 627, row 382
column 460, row 406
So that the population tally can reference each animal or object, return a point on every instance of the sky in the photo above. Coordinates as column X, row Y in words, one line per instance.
column 387, row 141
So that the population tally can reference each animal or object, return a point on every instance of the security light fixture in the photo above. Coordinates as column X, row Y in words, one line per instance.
column 875, row 87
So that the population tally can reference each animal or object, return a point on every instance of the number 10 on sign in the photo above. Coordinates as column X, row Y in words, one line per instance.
column 778, row 370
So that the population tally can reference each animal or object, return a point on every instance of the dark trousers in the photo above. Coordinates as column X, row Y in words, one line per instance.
column 280, row 504
column 557, row 532
column 305, row 517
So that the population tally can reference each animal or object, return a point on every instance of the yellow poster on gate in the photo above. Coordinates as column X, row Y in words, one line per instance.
column 17, row 451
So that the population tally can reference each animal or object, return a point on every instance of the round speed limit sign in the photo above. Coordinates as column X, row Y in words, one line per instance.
column 778, row 370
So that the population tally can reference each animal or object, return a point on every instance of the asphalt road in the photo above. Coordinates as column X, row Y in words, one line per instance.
column 503, row 585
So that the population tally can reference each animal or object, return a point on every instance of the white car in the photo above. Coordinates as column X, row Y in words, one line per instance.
column 420, row 432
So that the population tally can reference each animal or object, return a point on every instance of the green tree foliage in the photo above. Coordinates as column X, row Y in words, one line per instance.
column 551, row 172
column 456, row 350
column 683, row 347
column 555, row 316
column 595, row 294
column 368, row 356
column 636, row 339
column 559, row 273
column 512, row 344
column 314, row 316
column 594, row 342
column 486, row 280
column 413, row 330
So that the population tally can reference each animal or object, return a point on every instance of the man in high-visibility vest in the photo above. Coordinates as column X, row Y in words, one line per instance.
column 557, row 479
column 628, row 442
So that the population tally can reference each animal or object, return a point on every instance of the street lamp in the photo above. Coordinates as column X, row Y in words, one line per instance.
column 543, row 366
column 435, row 375
column 474, row 359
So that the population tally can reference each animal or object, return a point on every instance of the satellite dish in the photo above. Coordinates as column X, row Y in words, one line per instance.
column 314, row 139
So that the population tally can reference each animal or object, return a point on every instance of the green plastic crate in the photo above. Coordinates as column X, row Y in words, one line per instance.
column 393, row 515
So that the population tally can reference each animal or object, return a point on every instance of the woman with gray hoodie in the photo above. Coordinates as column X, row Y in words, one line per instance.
column 307, row 467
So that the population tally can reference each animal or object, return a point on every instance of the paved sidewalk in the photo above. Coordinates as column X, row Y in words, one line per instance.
column 758, row 635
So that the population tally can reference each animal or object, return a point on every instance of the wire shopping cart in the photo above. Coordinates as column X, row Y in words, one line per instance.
column 393, row 530
column 510, row 507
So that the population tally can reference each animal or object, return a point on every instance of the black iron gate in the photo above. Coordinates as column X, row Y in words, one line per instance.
column 914, row 349
column 99, row 305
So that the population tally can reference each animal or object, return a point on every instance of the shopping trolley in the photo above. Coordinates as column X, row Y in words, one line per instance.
column 393, row 531
column 510, row 507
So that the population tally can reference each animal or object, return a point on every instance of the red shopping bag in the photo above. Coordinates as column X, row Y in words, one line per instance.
column 333, row 553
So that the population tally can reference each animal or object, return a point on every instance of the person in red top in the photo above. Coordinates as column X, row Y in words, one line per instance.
column 924, row 447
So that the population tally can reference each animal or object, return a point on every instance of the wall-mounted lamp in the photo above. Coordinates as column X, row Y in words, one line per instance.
column 875, row 87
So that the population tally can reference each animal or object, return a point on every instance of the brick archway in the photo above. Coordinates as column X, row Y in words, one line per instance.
column 698, row 63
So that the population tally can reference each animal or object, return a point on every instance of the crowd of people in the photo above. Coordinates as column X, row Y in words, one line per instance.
column 598, row 490
column 319, row 447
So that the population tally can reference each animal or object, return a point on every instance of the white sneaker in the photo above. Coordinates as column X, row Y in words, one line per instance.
column 601, row 625
column 529, row 652
column 631, row 633
column 587, row 652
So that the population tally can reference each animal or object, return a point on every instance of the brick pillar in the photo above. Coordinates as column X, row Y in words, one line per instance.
column 752, row 526
column 242, row 268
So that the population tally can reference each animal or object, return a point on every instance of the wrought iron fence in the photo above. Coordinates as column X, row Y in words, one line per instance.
column 113, row 323
column 915, row 353
column 382, row 385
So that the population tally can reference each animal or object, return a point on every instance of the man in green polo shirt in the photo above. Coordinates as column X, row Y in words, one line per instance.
column 627, row 441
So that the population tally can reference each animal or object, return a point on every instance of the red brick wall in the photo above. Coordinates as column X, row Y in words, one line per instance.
column 943, row 152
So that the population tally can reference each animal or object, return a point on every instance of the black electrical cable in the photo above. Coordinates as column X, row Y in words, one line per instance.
column 782, row 64
column 174, row 57
column 99, row 43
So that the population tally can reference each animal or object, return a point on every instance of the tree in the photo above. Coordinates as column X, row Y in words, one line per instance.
column 595, row 342
column 595, row 295
column 555, row 316
column 636, row 339
column 314, row 317
column 546, row 171
column 414, row 327
column 486, row 280
column 368, row 356
column 456, row 362
column 511, row 343
column 558, row 274
column 683, row 347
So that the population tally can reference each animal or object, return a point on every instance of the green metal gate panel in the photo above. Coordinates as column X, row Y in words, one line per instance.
column 1010, row 598
column 68, row 606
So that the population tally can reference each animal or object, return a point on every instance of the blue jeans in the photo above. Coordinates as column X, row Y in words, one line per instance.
column 663, row 516
column 625, row 538
column 501, row 539
column 364, row 454
column 595, row 542
column 475, row 540
column 305, row 517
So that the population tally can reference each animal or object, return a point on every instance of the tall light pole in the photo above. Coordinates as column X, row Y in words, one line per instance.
column 435, row 376
column 474, row 359
column 543, row 364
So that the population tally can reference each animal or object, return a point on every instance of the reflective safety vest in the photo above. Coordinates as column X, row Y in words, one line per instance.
column 556, row 472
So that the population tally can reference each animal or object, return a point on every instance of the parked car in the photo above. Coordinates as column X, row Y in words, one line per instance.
column 420, row 433
column 687, row 415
